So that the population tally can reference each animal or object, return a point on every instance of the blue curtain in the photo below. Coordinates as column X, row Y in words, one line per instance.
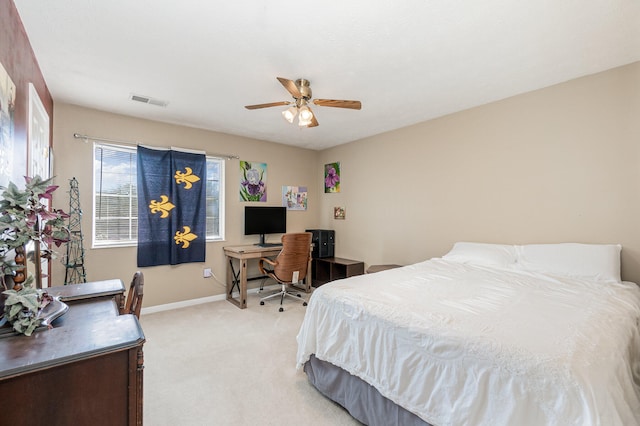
column 171, row 207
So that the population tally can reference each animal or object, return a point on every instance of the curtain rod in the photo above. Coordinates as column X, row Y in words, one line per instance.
column 86, row 139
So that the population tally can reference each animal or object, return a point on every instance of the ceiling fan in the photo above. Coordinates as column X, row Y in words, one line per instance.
column 301, row 92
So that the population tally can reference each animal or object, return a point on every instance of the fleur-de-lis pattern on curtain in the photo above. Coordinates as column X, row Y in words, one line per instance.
column 171, row 207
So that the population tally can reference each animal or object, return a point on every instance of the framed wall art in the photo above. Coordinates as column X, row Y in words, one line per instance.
column 294, row 197
column 332, row 177
column 253, row 181
column 38, row 137
column 7, row 143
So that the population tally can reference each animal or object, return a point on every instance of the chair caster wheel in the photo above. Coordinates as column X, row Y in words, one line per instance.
column 298, row 295
column 304, row 303
column 261, row 302
column 281, row 310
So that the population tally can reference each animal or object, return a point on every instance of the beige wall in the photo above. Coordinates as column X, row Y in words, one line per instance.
column 558, row 164
column 166, row 284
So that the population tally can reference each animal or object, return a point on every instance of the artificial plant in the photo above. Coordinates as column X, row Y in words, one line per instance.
column 24, row 218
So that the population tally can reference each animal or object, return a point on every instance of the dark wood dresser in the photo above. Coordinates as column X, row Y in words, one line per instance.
column 107, row 289
column 86, row 370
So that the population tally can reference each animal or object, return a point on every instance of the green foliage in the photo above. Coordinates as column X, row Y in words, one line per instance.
column 25, row 217
column 21, row 309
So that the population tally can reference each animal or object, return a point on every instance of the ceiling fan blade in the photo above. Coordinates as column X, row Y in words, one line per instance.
column 290, row 86
column 272, row 104
column 338, row 103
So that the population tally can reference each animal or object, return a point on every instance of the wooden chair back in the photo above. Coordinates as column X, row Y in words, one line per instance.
column 295, row 254
column 134, row 296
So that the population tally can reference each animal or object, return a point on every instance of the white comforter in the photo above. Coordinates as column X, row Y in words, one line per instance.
column 459, row 344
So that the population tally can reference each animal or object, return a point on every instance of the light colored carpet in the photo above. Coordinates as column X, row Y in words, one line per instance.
column 215, row 364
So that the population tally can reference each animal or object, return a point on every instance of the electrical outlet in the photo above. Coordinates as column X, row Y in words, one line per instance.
column 207, row 273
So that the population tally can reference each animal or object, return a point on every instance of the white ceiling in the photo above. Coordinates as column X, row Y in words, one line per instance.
column 407, row 61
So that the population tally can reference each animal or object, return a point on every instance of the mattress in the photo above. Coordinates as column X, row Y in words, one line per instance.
column 459, row 344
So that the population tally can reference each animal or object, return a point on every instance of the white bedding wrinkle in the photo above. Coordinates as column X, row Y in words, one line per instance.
column 461, row 344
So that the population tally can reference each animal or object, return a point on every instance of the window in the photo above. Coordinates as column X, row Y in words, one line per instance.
column 115, row 206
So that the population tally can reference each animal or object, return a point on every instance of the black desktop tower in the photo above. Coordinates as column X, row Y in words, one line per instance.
column 324, row 242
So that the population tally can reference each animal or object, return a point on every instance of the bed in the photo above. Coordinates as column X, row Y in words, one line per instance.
column 489, row 334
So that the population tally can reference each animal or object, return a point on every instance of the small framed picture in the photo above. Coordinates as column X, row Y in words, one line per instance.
column 339, row 213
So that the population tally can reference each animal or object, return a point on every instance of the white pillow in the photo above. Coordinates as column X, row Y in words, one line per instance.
column 484, row 254
column 600, row 262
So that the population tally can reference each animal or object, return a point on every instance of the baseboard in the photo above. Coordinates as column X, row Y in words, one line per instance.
column 199, row 301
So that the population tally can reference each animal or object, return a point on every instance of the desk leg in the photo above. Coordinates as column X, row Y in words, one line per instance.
column 307, row 279
column 243, row 283
column 230, row 279
column 237, row 279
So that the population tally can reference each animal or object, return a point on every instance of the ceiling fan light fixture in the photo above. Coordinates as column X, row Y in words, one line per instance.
column 305, row 113
column 301, row 91
column 290, row 113
column 305, row 116
column 303, row 123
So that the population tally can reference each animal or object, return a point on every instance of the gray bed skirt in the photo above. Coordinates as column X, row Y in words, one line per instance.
column 359, row 398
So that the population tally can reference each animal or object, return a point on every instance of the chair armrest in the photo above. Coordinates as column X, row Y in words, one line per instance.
column 267, row 260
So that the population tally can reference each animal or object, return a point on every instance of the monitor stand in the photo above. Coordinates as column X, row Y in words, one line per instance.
column 262, row 243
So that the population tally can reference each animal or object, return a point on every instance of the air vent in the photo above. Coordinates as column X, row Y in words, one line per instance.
column 148, row 100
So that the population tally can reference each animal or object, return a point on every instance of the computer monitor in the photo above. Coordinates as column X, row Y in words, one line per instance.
column 264, row 220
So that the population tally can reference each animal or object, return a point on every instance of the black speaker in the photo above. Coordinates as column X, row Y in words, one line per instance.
column 324, row 242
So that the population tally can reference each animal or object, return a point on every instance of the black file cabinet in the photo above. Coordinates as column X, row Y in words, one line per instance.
column 324, row 241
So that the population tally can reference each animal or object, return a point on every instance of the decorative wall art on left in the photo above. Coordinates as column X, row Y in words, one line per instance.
column 38, row 137
column 7, row 142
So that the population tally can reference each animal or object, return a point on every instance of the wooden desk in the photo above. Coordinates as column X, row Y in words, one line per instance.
column 85, row 370
column 72, row 293
column 239, row 278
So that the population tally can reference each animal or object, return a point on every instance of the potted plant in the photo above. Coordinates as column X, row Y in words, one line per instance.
column 25, row 218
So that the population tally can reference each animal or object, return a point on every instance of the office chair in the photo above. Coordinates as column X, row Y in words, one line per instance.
column 134, row 296
column 293, row 258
